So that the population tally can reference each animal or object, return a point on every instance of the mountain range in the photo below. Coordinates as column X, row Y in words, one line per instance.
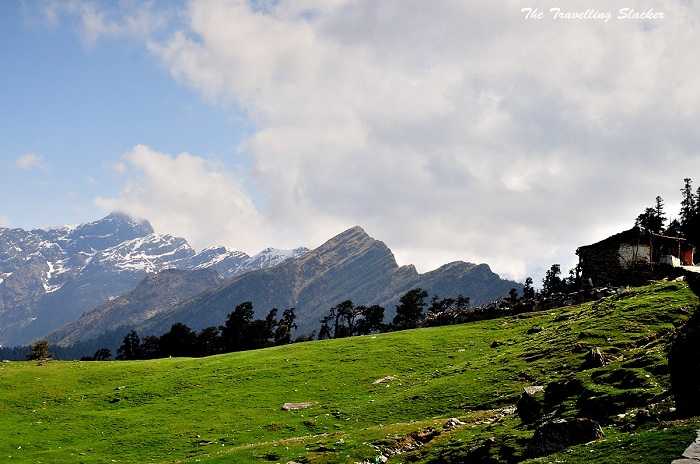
column 51, row 277
column 351, row 265
column 76, row 284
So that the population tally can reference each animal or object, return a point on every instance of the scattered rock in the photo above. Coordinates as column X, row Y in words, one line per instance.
column 452, row 423
column 595, row 358
column 295, row 406
column 602, row 406
column 386, row 379
column 534, row 329
column 425, row 435
column 410, row 442
column 530, row 404
column 558, row 391
column 559, row 434
column 578, row 348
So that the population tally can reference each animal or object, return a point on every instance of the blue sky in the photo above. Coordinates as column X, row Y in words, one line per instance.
column 79, row 107
column 462, row 132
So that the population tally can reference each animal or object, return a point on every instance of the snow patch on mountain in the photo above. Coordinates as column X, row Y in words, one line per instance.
column 71, row 269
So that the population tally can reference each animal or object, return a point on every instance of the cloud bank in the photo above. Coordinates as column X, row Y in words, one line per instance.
column 190, row 196
column 459, row 131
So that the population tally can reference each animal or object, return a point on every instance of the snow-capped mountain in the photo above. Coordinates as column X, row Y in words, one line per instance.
column 50, row 277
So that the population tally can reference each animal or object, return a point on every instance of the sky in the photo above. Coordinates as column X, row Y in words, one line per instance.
column 454, row 130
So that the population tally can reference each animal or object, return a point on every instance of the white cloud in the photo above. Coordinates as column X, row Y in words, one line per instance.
column 119, row 167
column 460, row 131
column 4, row 221
column 29, row 161
column 188, row 196
column 126, row 19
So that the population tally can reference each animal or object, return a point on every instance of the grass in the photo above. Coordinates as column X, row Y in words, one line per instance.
column 227, row 409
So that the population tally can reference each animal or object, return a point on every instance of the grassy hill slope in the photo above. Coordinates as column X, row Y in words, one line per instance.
column 227, row 409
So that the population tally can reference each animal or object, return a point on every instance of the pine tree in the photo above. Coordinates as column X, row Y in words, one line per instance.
column 552, row 283
column 660, row 214
column 688, row 205
column 409, row 312
column 528, row 289
column 131, row 347
column 234, row 331
column 285, row 327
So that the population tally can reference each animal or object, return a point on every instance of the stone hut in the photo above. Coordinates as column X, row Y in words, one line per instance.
column 634, row 252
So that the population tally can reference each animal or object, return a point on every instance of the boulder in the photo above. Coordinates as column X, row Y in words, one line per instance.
column 684, row 364
column 295, row 406
column 534, row 329
column 452, row 423
column 558, row 391
column 530, row 404
column 595, row 358
column 558, row 434
column 386, row 379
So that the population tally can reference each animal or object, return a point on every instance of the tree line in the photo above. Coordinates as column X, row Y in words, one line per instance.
column 242, row 331
column 686, row 225
column 347, row 320
column 239, row 332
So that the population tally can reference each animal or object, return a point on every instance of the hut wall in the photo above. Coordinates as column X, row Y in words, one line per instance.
column 631, row 254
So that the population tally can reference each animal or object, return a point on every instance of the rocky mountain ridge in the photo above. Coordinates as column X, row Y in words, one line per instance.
column 351, row 265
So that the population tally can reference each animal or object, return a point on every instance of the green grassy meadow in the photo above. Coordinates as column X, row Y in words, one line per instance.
column 227, row 408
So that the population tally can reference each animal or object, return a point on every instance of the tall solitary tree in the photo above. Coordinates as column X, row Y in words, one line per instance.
column 552, row 283
column 285, row 327
column 409, row 311
column 528, row 289
column 660, row 213
column 40, row 351
column 688, row 202
column 234, row 330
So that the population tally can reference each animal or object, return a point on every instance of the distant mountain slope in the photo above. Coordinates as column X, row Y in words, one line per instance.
column 50, row 277
column 154, row 295
column 351, row 265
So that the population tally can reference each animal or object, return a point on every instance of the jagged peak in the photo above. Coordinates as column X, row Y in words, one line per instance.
column 121, row 217
column 116, row 222
column 354, row 234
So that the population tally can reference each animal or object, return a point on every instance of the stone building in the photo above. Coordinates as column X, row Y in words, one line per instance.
column 632, row 255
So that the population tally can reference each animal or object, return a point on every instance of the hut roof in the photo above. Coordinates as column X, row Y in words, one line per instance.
column 634, row 233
